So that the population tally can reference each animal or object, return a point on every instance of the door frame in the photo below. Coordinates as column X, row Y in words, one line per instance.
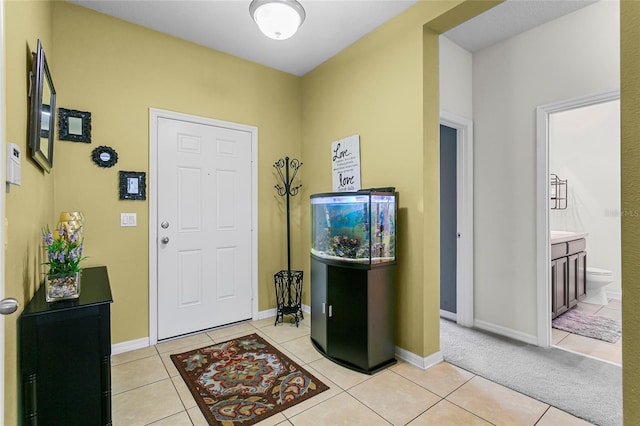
column 2, row 236
column 543, row 239
column 464, row 174
column 154, row 115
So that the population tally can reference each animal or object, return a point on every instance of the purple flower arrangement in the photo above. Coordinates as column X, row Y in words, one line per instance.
column 64, row 250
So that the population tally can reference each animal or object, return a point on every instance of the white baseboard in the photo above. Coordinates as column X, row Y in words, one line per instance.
column 403, row 354
column 616, row 295
column 266, row 314
column 306, row 309
column 448, row 315
column 507, row 332
column 131, row 345
column 418, row 361
column 406, row 356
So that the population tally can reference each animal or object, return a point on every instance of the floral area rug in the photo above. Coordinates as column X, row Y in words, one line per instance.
column 244, row 380
column 593, row 326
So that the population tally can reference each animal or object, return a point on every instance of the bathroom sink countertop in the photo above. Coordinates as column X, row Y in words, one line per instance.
column 564, row 236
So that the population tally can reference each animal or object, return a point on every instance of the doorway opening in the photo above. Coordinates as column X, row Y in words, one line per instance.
column 578, row 140
column 456, row 219
column 448, row 222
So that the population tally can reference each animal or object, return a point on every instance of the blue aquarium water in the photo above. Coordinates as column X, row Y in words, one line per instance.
column 353, row 227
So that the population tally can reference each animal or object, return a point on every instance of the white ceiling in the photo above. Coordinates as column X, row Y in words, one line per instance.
column 509, row 19
column 330, row 25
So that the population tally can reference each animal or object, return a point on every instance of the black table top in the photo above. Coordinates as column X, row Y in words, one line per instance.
column 94, row 290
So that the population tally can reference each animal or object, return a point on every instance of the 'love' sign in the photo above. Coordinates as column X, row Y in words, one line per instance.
column 345, row 163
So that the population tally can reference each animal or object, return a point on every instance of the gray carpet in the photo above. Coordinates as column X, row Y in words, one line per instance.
column 585, row 387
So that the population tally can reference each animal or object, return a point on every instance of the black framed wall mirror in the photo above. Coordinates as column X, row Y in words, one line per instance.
column 74, row 125
column 42, row 111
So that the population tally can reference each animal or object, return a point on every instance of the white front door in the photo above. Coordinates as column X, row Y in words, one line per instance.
column 204, row 226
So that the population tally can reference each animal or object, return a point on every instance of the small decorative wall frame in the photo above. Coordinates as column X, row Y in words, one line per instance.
column 74, row 125
column 104, row 156
column 132, row 186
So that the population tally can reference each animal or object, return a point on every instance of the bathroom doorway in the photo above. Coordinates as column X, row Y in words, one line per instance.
column 581, row 138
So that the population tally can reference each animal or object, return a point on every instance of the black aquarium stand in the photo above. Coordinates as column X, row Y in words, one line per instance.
column 65, row 356
column 353, row 313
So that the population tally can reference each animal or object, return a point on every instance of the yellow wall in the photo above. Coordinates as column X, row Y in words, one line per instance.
column 373, row 89
column 385, row 88
column 29, row 206
column 117, row 71
column 630, row 155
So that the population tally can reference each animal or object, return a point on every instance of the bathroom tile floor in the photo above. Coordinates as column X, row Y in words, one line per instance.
column 611, row 352
column 147, row 389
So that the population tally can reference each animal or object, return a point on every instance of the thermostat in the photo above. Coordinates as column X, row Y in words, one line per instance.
column 14, row 159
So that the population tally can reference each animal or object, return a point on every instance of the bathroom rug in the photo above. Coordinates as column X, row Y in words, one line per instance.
column 593, row 326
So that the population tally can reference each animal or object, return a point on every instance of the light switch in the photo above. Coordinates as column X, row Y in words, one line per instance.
column 128, row 219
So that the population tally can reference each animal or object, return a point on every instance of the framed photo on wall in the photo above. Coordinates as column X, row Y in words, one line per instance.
column 133, row 186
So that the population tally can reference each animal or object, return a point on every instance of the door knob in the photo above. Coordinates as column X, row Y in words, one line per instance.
column 164, row 224
column 165, row 240
column 8, row 306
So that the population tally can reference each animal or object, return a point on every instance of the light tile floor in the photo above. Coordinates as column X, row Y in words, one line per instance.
column 593, row 347
column 147, row 389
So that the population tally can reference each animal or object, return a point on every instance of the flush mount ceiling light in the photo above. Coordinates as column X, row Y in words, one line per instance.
column 277, row 19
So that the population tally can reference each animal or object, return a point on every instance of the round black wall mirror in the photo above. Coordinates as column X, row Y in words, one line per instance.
column 104, row 156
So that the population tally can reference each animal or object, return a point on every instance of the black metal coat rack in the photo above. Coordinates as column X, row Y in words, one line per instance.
column 288, row 283
column 289, row 190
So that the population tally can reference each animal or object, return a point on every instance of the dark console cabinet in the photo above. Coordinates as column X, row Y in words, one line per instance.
column 65, row 356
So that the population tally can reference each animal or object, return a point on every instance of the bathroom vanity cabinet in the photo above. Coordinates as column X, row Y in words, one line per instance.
column 568, row 274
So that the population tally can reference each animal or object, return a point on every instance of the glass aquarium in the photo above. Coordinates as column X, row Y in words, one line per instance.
column 358, row 227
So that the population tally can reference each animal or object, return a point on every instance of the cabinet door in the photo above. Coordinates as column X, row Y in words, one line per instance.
column 577, row 277
column 559, row 286
column 572, row 281
column 319, row 303
column 554, row 284
column 581, row 276
column 347, row 315
column 63, row 375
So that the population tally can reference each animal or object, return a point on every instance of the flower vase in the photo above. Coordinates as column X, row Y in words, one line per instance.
column 62, row 286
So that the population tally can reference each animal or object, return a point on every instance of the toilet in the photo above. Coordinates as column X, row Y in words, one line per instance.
column 597, row 280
